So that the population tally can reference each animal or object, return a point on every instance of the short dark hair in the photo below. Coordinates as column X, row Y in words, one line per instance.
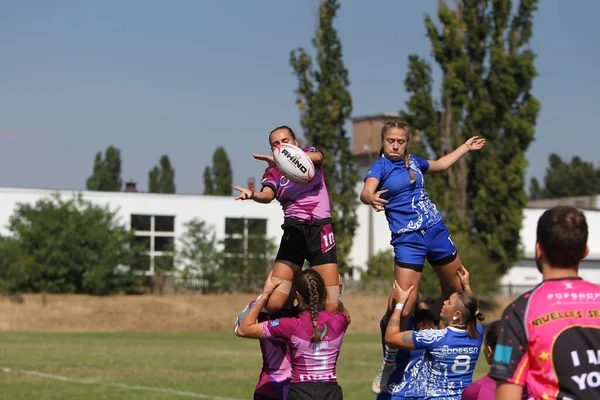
column 562, row 234
column 282, row 127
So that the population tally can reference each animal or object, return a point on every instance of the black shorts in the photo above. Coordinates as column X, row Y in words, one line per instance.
column 315, row 391
column 307, row 240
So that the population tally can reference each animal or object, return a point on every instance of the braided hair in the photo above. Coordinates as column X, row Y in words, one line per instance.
column 312, row 295
column 398, row 124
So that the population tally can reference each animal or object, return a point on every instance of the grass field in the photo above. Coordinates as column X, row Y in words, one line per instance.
column 135, row 365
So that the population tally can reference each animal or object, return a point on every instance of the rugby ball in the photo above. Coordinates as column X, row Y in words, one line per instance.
column 293, row 163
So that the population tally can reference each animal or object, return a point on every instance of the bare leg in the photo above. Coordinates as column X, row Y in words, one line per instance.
column 285, row 271
column 329, row 273
column 407, row 278
column 449, row 282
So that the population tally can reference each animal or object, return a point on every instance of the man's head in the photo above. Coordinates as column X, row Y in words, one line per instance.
column 562, row 235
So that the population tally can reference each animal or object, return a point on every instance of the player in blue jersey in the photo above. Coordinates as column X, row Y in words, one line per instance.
column 450, row 353
column 403, row 359
column 395, row 184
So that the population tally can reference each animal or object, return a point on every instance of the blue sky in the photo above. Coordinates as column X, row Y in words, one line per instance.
column 183, row 77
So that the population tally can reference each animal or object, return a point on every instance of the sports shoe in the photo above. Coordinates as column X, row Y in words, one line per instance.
column 381, row 379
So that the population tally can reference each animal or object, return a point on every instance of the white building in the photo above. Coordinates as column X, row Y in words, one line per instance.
column 159, row 220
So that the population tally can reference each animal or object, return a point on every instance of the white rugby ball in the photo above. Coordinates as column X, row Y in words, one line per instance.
column 293, row 163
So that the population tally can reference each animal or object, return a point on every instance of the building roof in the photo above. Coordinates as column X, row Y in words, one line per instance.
column 591, row 202
column 385, row 115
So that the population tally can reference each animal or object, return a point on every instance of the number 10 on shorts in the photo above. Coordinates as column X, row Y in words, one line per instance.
column 327, row 239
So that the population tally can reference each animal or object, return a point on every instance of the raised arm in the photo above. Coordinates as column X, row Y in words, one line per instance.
column 265, row 196
column 316, row 157
column 249, row 328
column 393, row 336
column 463, row 275
column 445, row 162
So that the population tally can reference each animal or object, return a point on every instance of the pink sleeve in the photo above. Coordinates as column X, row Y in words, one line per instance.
column 471, row 392
column 269, row 179
column 280, row 328
column 343, row 320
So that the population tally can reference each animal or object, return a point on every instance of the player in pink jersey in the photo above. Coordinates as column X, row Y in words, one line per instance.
column 276, row 373
column 307, row 229
column 550, row 336
column 485, row 388
column 314, row 338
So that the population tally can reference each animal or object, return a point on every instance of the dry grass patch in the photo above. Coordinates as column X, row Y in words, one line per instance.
column 168, row 313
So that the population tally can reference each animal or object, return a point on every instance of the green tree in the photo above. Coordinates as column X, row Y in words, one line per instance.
column 564, row 178
column 487, row 74
column 13, row 266
column 107, row 172
column 161, row 179
column 198, row 255
column 536, row 192
column 209, row 184
column 380, row 266
column 247, row 259
column 218, row 180
column 76, row 247
column 325, row 105
column 484, row 273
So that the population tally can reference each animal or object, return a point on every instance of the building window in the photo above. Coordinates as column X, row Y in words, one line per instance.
column 244, row 237
column 156, row 234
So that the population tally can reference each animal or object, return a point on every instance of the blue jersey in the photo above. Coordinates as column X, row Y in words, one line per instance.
column 414, row 383
column 409, row 207
column 450, row 358
column 403, row 359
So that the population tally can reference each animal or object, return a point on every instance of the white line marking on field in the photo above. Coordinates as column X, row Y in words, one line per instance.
column 111, row 384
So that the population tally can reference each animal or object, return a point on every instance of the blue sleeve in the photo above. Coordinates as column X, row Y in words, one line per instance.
column 376, row 170
column 428, row 338
column 421, row 163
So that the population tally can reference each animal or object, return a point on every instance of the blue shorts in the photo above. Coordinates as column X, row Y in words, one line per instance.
column 434, row 243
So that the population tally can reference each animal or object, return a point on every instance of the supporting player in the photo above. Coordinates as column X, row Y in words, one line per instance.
column 314, row 338
column 407, row 364
column 308, row 232
column 276, row 373
column 450, row 353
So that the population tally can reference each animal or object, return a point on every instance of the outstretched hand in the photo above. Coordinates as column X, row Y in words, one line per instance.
column 475, row 143
column 268, row 159
column 247, row 194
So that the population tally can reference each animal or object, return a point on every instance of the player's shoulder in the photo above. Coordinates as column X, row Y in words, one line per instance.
column 283, row 322
column 430, row 336
column 416, row 158
column 522, row 301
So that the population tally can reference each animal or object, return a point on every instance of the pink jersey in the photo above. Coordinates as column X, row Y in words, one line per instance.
column 304, row 201
column 276, row 373
column 550, row 339
column 311, row 362
column 485, row 389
